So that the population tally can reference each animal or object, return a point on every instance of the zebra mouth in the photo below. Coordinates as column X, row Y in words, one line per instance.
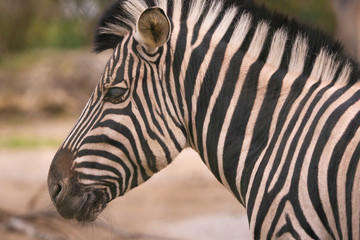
column 82, row 205
column 92, row 206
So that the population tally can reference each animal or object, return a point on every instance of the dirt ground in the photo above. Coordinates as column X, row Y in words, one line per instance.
column 184, row 201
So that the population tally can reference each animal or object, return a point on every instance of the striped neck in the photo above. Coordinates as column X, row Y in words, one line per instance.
column 232, row 71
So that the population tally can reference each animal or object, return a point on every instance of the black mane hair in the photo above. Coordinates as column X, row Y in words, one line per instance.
column 317, row 40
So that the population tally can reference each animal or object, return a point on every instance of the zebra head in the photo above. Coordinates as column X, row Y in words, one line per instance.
column 128, row 130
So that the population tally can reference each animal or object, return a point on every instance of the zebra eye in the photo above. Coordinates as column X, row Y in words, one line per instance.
column 116, row 95
column 116, row 92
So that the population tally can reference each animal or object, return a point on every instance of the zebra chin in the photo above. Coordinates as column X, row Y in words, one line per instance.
column 84, row 207
column 72, row 199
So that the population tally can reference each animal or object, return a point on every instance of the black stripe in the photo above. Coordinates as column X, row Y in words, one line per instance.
column 116, row 56
column 350, row 179
column 170, row 9
column 197, row 26
column 269, row 197
column 148, row 105
column 178, row 60
column 207, row 88
column 334, row 163
column 172, row 118
column 266, row 45
column 150, row 157
column 220, row 109
column 128, row 135
column 314, row 164
column 236, row 131
column 112, row 187
column 176, row 119
column 196, row 59
column 106, row 139
column 299, row 161
column 262, row 127
column 99, row 166
column 76, row 135
column 102, row 181
column 109, row 156
column 88, row 123
column 167, row 95
column 120, row 73
column 296, row 90
column 149, row 129
column 287, row 228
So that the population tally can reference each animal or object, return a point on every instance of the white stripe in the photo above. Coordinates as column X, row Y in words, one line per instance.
column 86, row 124
column 162, row 4
column 277, row 48
column 135, row 8
column 355, row 203
column 236, row 41
column 241, row 29
column 298, row 55
column 215, row 40
column 209, row 20
column 304, row 197
column 115, row 29
column 289, row 78
column 196, row 9
column 324, row 160
column 341, row 182
column 258, row 40
column 321, row 63
column 264, row 77
column 271, row 66
column 96, row 172
column 173, row 40
column 249, row 59
column 345, row 74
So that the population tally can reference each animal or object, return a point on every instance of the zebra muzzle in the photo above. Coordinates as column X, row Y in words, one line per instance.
column 72, row 199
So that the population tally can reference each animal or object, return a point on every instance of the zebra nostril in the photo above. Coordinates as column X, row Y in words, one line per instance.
column 57, row 190
column 59, row 174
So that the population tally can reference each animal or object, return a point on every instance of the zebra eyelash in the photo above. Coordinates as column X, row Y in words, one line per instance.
column 116, row 94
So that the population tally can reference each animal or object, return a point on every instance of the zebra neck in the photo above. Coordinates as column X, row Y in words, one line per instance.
column 231, row 98
column 230, row 78
column 218, row 84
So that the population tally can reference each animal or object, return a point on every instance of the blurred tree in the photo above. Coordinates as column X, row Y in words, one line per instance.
column 79, row 8
column 316, row 13
column 47, row 23
column 348, row 16
column 16, row 19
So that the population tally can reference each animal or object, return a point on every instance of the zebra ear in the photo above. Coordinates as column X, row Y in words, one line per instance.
column 153, row 29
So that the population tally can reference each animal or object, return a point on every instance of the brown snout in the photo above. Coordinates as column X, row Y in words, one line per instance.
column 72, row 199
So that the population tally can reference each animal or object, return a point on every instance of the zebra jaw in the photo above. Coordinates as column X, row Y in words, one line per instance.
column 72, row 199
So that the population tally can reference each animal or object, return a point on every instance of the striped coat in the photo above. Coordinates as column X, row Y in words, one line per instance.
column 271, row 106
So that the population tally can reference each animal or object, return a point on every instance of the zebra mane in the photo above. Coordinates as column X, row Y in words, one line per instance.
column 119, row 20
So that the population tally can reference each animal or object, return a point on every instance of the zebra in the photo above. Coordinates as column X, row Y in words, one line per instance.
column 270, row 105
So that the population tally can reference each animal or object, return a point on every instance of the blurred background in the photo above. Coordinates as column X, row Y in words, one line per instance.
column 47, row 73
